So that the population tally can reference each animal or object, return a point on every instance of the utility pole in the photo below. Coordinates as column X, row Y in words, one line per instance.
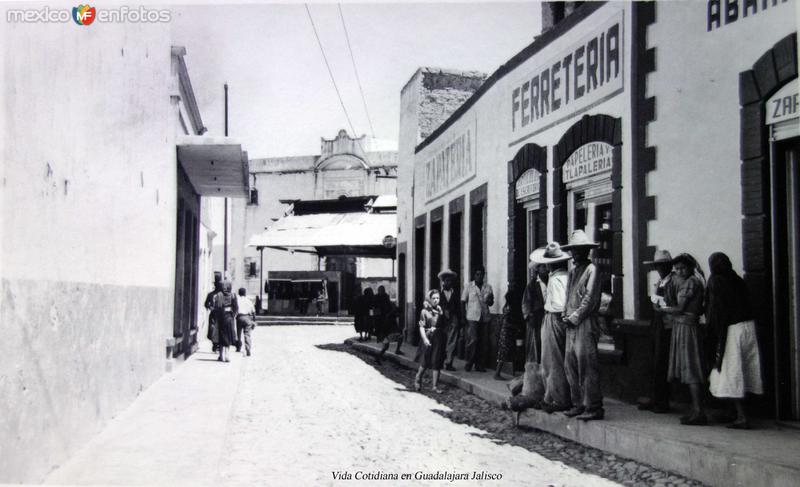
column 225, row 201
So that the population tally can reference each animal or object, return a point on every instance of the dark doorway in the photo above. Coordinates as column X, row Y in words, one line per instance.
column 419, row 281
column 401, row 287
column 436, row 253
column 456, row 243
column 786, row 273
column 477, row 237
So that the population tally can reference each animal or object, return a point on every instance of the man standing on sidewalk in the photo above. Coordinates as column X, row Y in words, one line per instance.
column 580, row 315
column 476, row 299
column 661, row 329
column 245, row 321
column 451, row 309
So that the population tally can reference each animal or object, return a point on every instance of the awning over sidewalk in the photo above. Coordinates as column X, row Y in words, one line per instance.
column 216, row 166
column 362, row 234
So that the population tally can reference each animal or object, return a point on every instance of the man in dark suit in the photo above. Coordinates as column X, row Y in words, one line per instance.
column 450, row 303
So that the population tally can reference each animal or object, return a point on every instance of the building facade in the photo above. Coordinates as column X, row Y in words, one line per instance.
column 103, row 230
column 646, row 124
column 346, row 166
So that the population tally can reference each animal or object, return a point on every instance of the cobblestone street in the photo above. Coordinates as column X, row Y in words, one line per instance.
column 296, row 413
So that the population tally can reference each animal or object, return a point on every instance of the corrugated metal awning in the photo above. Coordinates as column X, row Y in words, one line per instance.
column 332, row 233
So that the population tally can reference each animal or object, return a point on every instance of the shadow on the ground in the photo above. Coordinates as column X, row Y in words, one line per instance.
column 499, row 427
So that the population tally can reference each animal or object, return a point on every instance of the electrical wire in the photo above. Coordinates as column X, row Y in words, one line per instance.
column 330, row 73
column 355, row 70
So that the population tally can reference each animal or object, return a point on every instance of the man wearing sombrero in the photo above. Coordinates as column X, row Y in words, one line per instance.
column 580, row 315
column 553, row 333
column 661, row 328
column 450, row 303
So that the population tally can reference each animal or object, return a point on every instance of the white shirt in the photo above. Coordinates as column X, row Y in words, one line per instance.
column 246, row 306
column 556, row 299
column 475, row 298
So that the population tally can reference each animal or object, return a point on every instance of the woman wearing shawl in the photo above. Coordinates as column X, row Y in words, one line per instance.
column 432, row 348
column 737, row 368
column 685, row 358
column 512, row 319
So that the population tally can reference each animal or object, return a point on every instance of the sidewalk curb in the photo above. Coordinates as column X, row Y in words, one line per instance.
column 696, row 460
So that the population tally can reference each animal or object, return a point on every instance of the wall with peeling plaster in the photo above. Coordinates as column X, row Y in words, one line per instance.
column 88, row 232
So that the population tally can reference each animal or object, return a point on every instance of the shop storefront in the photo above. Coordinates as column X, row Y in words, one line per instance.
column 725, row 148
column 668, row 126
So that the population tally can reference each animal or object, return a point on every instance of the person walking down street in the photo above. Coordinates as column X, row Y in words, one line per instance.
column 509, row 331
column 580, row 316
column 433, row 341
column 685, row 356
column 370, row 312
column 245, row 321
column 213, row 332
column 737, row 366
column 664, row 294
column 533, row 312
column 225, row 308
column 322, row 297
column 476, row 300
column 554, row 329
column 451, row 309
column 360, row 315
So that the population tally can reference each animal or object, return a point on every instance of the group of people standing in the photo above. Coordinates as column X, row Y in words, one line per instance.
column 376, row 314
column 561, row 309
column 721, row 353
column 230, row 317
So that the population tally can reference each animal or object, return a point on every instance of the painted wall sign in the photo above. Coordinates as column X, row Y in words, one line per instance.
column 450, row 166
column 528, row 184
column 588, row 160
column 723, row 12
column 579, row 77
column 784, row 104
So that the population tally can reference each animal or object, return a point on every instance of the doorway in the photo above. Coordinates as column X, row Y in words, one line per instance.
column 436, row 252
column 455, row 243
column 477, row 237
column 786, row 272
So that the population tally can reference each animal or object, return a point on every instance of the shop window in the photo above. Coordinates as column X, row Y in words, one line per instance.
column 250, row 268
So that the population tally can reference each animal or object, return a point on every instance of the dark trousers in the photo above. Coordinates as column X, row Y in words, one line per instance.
column 662, row 338
column 477, row 341
column 243, row 325
column 533, row 343
column 453, row 334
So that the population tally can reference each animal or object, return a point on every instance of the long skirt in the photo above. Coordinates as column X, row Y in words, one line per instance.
column 741, row 364
column 556, row 388
column 506, row 341
column 227, row 330
column 685, row 360
column 433, row 356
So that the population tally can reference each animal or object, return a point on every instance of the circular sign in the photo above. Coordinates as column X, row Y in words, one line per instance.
column 389, row 242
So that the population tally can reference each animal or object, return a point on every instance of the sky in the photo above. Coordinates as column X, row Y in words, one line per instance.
column 281, row 99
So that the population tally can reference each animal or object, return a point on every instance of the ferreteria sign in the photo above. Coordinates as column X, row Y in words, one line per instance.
column 580, row 77
column 588, row 160
column 450, row 166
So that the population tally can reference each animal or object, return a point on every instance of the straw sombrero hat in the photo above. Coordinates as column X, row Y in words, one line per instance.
column 579, row 239
column 447, row 272
column 660, row 257
column 549, row 255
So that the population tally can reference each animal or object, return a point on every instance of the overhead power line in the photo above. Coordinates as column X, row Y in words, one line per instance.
column 355, row 70
column 330, row 73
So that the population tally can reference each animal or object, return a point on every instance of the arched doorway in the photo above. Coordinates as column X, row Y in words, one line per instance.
column 527, row 209
column 770, row 147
